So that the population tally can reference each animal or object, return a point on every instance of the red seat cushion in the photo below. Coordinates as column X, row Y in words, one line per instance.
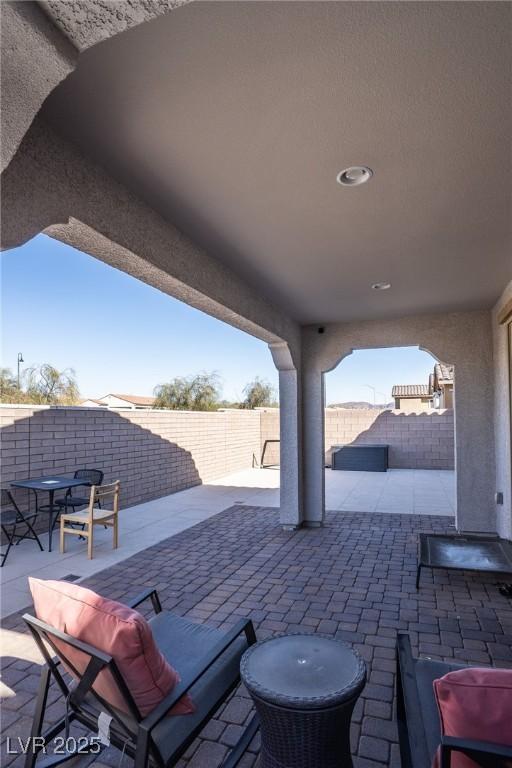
column 115, row 629
column 475, row 703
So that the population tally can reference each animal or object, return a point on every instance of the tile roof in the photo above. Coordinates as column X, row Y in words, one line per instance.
column 443, row 372
column 410, row 390
column 134, row 399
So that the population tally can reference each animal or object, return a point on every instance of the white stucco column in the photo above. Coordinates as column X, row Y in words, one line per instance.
column 301, row 399
column 290, row 417
column 313, row 446
column 474, row 458
column 290, row 425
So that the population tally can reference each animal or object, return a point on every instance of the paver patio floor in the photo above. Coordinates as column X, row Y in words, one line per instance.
column 405, row 491
column 353, row 579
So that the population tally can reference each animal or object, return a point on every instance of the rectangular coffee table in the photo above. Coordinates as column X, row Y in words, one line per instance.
column 464, row 552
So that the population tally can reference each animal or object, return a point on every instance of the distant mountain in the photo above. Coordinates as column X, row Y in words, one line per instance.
column 362, row 404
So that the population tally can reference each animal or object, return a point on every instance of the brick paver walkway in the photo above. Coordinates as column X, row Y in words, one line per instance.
column 353, row 579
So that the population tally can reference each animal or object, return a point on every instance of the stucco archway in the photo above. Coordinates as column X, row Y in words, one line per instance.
column 463, row 339
column 418, row 432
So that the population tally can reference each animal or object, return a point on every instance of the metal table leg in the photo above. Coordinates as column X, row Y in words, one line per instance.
column 50, row 519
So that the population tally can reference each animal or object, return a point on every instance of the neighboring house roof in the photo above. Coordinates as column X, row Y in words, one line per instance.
column 410, row 390
column 91, row 400
column 443, row 372
column 133, row 399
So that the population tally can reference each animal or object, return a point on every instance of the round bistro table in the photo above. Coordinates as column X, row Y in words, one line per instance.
column 304, row 688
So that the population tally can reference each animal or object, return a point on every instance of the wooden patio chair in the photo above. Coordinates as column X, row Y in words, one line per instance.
column 95, row 514
column 207, row 659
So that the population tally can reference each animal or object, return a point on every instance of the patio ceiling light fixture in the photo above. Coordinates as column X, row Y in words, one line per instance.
column 356, row 174
column 381, row 286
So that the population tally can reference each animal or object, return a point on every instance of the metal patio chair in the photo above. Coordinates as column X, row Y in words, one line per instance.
column 11, row 520
column 90, row 477
column 207, row 659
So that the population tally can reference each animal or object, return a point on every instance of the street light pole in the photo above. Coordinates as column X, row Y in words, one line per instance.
column 20, row 360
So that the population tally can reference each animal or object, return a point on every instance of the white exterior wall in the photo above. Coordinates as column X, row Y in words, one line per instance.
column 503, row 417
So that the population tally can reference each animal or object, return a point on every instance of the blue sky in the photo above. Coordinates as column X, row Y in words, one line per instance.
column 64, row 307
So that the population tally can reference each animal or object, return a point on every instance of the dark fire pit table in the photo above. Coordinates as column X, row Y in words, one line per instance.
column 304, row 688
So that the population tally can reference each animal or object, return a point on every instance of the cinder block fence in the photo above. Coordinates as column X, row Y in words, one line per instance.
column 423, row 440
column 155, row 453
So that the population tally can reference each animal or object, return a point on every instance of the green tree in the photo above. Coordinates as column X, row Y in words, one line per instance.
column 189, row 393
column 258, row 394
column 9, row 391
column 45, row 385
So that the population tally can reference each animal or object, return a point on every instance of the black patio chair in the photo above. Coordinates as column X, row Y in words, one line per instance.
column 419, row 727
column 11, row 520
column 90, row 477
column 207, row 659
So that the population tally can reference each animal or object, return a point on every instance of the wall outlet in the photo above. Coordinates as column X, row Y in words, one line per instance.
column 498, row 497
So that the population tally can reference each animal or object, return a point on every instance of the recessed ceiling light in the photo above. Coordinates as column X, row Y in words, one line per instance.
column 356, row 174
column 381, row 286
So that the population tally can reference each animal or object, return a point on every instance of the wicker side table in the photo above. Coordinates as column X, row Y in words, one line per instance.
column 304, row 688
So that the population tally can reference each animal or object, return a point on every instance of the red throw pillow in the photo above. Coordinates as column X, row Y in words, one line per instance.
column 475, row 703
column 117, row 630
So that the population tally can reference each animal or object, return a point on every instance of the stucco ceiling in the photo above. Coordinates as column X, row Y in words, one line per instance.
column 233, row 119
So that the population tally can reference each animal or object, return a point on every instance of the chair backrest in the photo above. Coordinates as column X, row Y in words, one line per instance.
column 92, row 476
column 7, row 502
column 103, row 493
column 73, row 653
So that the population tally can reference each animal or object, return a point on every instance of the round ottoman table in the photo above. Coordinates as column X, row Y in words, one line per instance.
column 304, row 688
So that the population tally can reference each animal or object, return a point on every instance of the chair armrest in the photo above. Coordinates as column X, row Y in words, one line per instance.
column 160, row 711
column 411, row 729
column 149, row 593
column 477, row 749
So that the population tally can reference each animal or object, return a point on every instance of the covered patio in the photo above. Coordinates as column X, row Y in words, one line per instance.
column 91, row 160
column 210, row 150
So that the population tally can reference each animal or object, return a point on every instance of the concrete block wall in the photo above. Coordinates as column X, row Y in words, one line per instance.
column 152, row 453
column 423, row 440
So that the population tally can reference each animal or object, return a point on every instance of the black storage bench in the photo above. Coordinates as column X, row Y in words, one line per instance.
column 362, row 458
